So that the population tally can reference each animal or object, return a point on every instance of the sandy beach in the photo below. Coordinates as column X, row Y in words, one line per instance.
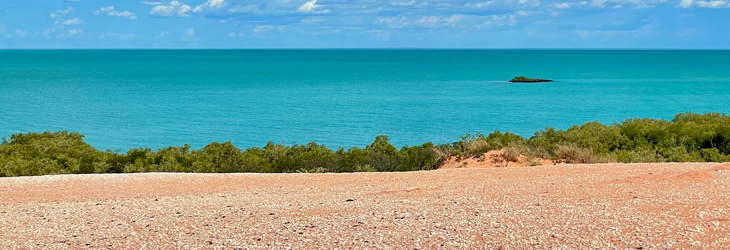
column 639, row 206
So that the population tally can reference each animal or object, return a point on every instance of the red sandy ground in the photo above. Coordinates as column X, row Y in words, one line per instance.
column 568, row 206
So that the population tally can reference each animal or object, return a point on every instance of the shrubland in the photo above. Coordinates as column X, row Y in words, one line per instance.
column 689, row 137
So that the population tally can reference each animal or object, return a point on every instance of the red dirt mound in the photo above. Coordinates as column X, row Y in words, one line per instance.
column 492, row 159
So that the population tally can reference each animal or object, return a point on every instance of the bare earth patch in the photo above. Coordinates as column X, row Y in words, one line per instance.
column 567, row 206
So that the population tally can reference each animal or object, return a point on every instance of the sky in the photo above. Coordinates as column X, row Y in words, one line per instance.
column 664, row 24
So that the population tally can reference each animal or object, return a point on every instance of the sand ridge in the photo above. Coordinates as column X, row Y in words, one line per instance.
column 674, row 205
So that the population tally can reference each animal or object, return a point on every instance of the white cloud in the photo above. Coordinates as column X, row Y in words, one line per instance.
column 562, row 5
column 438, row 21
column 713, row 4
column 703, row 4
column 403, row 3
column 61, row 13
column 616, row 4
column 499, row 21
column 210, row 4
column 481, row 5
column 126, row 14
column 151, row 3
column 598, row 3
column 111, row 11
column 309, row 6
column 393, row 22
column 250, row 9
column 104, row 10
column 685, row 4
column 74, row 21
column 572, row 5
column 61, row 28
column 215, row 3
column 119, row 36
column 173, row 9
column 311, row 21
column 265, row 28
column 491, row 4
column 424, row 22
column 639, row 3
column 61, row 32
column 73, row 32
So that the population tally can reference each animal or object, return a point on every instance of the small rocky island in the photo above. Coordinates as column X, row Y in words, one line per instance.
column 525, row 79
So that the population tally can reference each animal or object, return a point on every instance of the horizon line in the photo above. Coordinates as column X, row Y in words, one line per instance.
column 365, row 48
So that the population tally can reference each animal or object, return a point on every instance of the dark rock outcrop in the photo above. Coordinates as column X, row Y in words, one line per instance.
column 525, row 79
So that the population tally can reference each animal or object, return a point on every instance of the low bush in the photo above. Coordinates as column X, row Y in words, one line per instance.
column 689, row 137
column 510, row 154
column 573, row 154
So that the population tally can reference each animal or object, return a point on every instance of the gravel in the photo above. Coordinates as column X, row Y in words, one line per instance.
column 637, row 206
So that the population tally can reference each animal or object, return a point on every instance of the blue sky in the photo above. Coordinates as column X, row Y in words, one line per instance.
column 365, row 24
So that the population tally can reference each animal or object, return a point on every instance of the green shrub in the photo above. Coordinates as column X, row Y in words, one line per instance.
column 424, row 157
column 688, row 137
column 713, row 155
column 638, row 156
column 680, row 154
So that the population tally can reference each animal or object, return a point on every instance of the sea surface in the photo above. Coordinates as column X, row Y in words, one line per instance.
column 122, row 99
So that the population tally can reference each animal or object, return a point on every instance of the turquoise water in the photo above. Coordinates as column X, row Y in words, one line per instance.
column 122, row 99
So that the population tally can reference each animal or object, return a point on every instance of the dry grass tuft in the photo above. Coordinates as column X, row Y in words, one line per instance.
column 573, row 154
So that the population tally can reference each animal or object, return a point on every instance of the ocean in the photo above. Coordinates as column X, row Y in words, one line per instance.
column 122, row 99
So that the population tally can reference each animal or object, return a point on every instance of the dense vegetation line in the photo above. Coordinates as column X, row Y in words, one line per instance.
column 688, row 137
